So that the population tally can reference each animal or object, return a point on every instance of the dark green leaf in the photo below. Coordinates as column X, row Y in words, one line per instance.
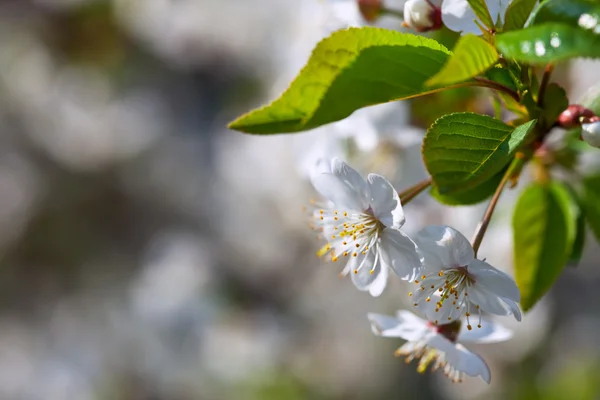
column 351, row 69
column 472, row 56
column 544, row 229
column 577, row 13
column 502, row 76
column 463, row 150
column 469, row 196
column 517, row 13
column 482, row 12
column 548, row 42
column 555, row 102
column 591, row 203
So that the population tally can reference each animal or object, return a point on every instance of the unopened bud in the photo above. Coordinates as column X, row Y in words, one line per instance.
column 573, row 116
column 422, row 15
column 590, row 132
column 370, row 9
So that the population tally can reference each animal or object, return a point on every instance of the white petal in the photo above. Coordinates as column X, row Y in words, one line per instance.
column 385, row 201
column 459, row 16
column 494, row 280
column 490, row 332
column 343, row 186
column 514, row 308
column 400, row 253
column 364, row 270
column 591, row 133
column 493, row 304
column 469, row 363
column 408, row 326
column 445, row 244
column 378, row 285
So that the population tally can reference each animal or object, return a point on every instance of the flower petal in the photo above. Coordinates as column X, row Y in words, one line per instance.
column 459, row 16
column 493, row 304
column 468, row 362
column 378, row 285
column 400, row 253
column 514, row 308
column 494, row 280
column 490, row 332
column 343, row 186
column 366, row 269
column 385, row 201
column 444, row 245
column 407, row 326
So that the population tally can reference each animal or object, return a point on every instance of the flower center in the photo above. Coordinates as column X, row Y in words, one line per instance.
column 349, row 233
column 427, row 356
column 450, row 288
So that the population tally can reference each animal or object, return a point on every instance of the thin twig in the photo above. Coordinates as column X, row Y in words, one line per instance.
column 498, row 86
column 485, row 221
column 544, row 84
column 408, row 194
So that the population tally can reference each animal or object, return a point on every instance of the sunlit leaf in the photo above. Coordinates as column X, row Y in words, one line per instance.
column 351, row 69
column 472, row 56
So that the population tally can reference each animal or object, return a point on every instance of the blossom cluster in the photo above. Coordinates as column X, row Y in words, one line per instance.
column 361, row 221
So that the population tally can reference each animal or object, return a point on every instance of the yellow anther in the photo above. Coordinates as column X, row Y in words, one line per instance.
column 335, row 212
column 345, row 254
column 354, row 254
column 321, row 218
column 469, row 327
column 333, row 236
column 371, row 271
column 428, row 299
column 324, row 250
column 423, row 276
column 321, row 211
column 409, row 294
column 356, row 271
column 345, row 214
column 479, row 325
column 441, row 273
column 357, row 245
column 467, row 314
column 336, row 218
column 417, row 281
column 334, row 259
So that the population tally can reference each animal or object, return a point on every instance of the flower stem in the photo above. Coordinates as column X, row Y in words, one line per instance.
column 514, row 168
column 408, row 194
column 544, row 84
column 498, row 86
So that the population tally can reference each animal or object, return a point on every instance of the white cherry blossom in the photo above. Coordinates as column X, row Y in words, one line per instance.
column 590, row 132
column 362, row 223
column 421, row 15
column 438, row 345
column 456, row 282
column 460, row 17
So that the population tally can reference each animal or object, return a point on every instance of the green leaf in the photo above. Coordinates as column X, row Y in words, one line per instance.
column 463, row 150
column 503, row 76
column 472, row 56
column 517, row 14
column 576, row 13
column 544, row 230
column 555, row 102
column 482, row 12
column 547, row 43
column 579, row 240
column 469, row 196
column 591, row 98
column 350, row 69
column 591, row 203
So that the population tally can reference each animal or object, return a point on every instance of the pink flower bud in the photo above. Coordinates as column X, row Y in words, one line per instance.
column 573, row 116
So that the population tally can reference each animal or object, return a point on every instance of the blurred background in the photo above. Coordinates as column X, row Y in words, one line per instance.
column 149, row 253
